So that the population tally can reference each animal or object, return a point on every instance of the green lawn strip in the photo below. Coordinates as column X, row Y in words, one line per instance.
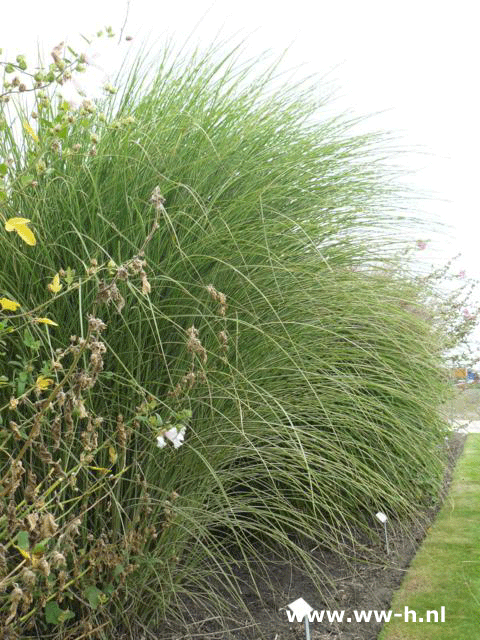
column 446, row 570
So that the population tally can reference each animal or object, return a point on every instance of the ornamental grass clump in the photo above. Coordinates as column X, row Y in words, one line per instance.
column 212, row 348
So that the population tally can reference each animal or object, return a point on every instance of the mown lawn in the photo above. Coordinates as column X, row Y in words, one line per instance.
column 445, row 571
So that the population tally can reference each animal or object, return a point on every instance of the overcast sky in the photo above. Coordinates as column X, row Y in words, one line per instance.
column 412, row 63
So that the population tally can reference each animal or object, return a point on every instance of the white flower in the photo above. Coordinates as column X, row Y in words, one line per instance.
column 161, row 442
column 176, row 437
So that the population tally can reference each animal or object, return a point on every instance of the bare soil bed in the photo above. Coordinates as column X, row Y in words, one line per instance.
column 365, row 583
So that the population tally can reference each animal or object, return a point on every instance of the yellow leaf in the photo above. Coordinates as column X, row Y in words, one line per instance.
column 30, row 131
column 101, row 469
column 24, row 553
column 26, row 235
column 45, row 321
column 43, row 383
column 20, row 226
column 55, row 285
column 9, row 305
column 12, row 223
column 112, row 454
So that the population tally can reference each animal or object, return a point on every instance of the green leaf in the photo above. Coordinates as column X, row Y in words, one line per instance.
column 22, row 63
column 69, row 277
column 94, row 596
column 23, row 541
column 55, row 615
column 119, row 569
column 62, row 134
column 26, row 179
column 29, row 341
column 3, row 169
column 21, row 382
column 41, row 546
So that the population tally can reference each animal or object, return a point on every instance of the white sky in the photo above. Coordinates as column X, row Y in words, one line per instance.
column 413, row 63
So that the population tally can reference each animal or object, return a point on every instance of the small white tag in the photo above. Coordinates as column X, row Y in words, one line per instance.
column 300, row 608
column 381, row 516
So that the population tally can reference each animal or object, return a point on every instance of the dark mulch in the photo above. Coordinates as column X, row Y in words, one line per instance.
column 366, row 582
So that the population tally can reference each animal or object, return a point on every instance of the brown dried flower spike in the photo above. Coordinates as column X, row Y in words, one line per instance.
column 219, row 297
column 194, row 346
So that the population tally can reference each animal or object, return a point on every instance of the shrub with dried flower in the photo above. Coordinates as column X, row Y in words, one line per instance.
column 46, row 578
column 147, row 238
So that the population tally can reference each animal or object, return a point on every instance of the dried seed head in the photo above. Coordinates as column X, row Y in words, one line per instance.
column 79, row 406
column 146, row 288
column 122, row 273
column 219, row 297
column 194, row 346
column 28, row 578
column 56, row 431
column 222, row 299
column 32, row 521
column 110, row 293
column 136, row 265
column 15, row 598
column 48, row 526
column 95, row 324
column 43, row 566
column 44, row 454
column 57, row 52
column 16, row 473
column 88, row 106
column 58, row 470
column 13, row 523
column 62, row 580
column 157, row 199
column 121, row 431
column 3, row 562
column 73, row 529
column 14, row 427
column 223, row 337
column 58, row 560
column 189, row 380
